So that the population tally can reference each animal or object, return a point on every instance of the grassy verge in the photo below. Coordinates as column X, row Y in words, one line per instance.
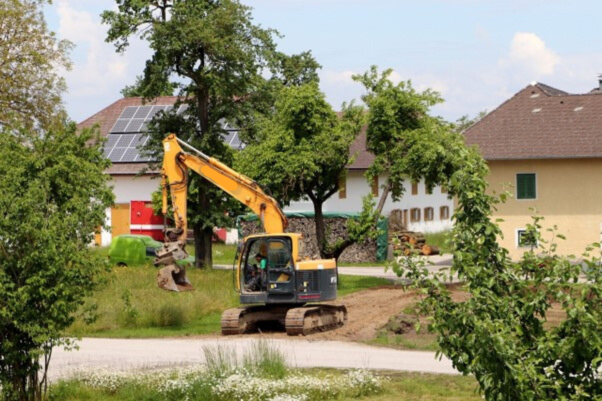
column 223, row 254
column 350, row 284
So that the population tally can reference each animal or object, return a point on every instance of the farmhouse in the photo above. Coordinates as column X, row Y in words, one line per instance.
column 545, row 146
column 123, row 123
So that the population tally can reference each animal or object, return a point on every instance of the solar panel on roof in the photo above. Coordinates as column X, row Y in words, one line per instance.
column 143, row 112
column 120, row 126
column 129, row 112
column 116, row 154
column 135, row 125
column 129, row 155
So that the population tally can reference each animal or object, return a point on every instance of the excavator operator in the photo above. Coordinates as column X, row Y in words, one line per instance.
column 258, row 274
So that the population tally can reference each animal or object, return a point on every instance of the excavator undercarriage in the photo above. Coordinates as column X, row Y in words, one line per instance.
column 297, row 320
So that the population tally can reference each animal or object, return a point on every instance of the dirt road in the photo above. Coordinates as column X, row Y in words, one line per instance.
column 119, row 354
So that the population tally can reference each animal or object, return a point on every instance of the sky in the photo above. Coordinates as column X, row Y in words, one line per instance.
column 476, row 53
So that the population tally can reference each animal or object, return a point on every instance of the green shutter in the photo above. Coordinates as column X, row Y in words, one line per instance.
column 525, row 186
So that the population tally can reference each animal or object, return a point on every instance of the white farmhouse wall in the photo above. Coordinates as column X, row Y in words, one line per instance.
column 128, row 188
column 358, row 186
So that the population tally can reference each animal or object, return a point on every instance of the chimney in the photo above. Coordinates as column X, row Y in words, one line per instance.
column 600, row 82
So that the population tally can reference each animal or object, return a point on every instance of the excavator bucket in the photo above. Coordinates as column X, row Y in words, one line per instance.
column 173, row 278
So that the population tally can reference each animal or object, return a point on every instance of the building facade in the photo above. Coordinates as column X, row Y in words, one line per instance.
column 123, row 122
column 544, row 146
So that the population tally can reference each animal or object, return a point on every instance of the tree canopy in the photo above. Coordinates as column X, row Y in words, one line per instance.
column 53, row 197
column 30, row 85
column 302, row 151
column 214, row 47
column 400, row 130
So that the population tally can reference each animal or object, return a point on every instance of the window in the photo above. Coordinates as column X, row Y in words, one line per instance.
column 414, row 215
column 526, row 186
column 444, row 213
column 375, row 186
column 343, row 187
column 428, row 214
column 523, row 240
column 414, row 188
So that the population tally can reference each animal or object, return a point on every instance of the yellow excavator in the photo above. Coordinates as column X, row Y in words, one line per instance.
column 273, row 274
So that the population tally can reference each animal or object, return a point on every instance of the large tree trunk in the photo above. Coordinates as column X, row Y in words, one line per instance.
column 203, row 236
column 202, row 246
column 320, row 227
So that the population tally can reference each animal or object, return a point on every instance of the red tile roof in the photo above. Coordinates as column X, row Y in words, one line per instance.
column 541, row 122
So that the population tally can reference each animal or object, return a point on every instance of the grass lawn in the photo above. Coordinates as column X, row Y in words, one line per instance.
column 129, row 304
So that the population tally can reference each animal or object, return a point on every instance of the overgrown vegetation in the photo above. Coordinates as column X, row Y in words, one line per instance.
column 500, row 334
column 53, row 196
column 261, row 375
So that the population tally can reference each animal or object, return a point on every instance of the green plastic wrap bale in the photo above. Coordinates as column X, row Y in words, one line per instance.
column 382, row 241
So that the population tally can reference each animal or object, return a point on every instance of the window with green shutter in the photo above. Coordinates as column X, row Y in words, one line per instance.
column 525, row 186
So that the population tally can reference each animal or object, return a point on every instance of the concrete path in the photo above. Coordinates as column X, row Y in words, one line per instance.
column 122, row 354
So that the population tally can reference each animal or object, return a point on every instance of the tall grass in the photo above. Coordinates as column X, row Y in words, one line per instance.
column 129, row 304
column 262, row 359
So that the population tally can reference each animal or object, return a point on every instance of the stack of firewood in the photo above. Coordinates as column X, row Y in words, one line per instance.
column 410, row 240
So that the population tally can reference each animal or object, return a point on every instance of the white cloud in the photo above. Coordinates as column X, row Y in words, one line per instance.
column 98, row 73
column 529, row 54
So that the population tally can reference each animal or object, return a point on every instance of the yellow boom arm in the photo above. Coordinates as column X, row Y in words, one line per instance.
column 176, row 164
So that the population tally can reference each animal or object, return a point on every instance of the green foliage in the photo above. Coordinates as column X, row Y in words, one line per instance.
column 53, row 197
column 407, row 142
column 30, row 87
column 500, row 333
column 465, row 122
column 219, row 54
column 158, row 86
column 302, row 151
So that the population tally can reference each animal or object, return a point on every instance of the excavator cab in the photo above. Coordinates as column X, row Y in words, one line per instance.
column 275, row 281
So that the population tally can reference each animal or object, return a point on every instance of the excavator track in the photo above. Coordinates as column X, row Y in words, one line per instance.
column 315, row 318
column 297, row 320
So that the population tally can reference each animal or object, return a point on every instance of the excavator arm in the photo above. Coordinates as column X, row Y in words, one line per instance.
column 176, row 165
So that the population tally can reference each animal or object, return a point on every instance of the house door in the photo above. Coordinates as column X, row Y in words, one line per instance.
column 120, row 219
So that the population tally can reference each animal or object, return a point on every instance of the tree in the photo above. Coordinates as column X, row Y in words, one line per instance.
column 30, row 87
column 149, row 90
column 399, row 129
column 500, row 332
column 216, row 49
column 53, row 197
column 302, row 150
column 465, row 122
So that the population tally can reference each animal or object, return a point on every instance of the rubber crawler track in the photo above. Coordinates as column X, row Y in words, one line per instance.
column 297, row 320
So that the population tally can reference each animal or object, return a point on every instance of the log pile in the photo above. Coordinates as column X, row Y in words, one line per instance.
column 336, row 229
column 410, row 240
column 403, row 239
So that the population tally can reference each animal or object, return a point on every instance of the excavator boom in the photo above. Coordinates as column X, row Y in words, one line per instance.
column 176, row 164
